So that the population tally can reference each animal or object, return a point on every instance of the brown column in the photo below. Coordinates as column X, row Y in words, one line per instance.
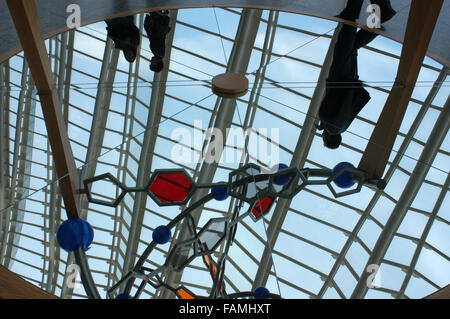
column 13, row 286
column 422, row 20
column 26, row 20
column 443, row 293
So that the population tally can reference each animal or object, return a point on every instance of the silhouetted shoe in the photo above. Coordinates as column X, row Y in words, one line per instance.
column 351, row 11
column 387, row 12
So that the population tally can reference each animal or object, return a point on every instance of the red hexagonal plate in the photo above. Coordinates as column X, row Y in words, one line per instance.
column 262, row 206
column 171, row 187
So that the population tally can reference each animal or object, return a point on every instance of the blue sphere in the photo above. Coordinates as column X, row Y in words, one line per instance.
column 75, row 233
column 280, row 179
column 344, row 179
column 261, row 293
column 220, row 193
column 123, row 296
column 161, row 234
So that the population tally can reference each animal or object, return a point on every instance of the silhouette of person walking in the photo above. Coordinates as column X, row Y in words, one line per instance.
column 156, row 25
column 345, row 96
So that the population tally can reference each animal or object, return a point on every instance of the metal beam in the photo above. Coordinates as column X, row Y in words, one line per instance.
column 412, row 187
column 85, row 274
column 4, row 146
column 423, row 238
column 54, row 216
column 298, row 159
column 259, row 76
column 67, row 292
column 26, row 21
column 156, row 105
column 402, row 150
column 237, row 63
column 123, row 158
column 64, row 71
column 98, row 127
column 253, row 100
column 14, row 184
column 22, row 171
column 100, row 116
column 421, row 22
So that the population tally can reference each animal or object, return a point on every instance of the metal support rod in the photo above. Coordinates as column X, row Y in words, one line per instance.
column 117, row 284
column 405, row 144
column 98, row 126
column 237, row 63
column 101, row 111
column 85, row 273
column 424, row 236
column 54, row 210
column 156, row 105
column 23, row 153
column 5, row 185
column 54, row 215
column 266, row 55
column 146, row 279
column 170, row 225
column 412, row 187
column 66, row 290
column 15, row 162
column 64, row 78
column 259, row 79
column 298, row 160
column 124, row 151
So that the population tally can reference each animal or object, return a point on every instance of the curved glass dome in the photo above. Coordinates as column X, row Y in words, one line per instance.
column 126, row 120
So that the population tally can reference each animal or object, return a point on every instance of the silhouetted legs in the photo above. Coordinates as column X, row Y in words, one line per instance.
column 387, row 12
column 156, row 25
column 344, row 64
column 125, row 35
column 353, row 9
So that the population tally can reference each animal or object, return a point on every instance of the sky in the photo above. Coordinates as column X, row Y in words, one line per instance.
column 317, row 227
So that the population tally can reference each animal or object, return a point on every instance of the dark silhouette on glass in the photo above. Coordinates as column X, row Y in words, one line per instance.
column 125, row 35
column 156, row 25
column 386, row 10
column 345, row 96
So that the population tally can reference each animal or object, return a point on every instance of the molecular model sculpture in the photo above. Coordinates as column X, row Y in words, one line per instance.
column 174, row 187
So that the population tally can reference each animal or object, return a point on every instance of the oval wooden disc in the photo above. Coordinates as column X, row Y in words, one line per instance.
column 230, row 85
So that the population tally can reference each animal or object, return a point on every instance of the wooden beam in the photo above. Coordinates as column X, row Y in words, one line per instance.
column 26, row 20
column 421, row 23
column 443, row 293
column 12, row 286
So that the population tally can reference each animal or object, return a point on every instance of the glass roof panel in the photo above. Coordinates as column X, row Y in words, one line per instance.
column 317, row 229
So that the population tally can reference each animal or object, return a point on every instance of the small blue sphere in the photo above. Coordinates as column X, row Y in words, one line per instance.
column 261, row 293
column 162, row 234
column 280, row 179
column 75, row 233
column 123, row 296
column 220, row 193
column 344, row 179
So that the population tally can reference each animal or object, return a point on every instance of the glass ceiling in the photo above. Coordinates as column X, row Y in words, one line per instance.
column 125, row 120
